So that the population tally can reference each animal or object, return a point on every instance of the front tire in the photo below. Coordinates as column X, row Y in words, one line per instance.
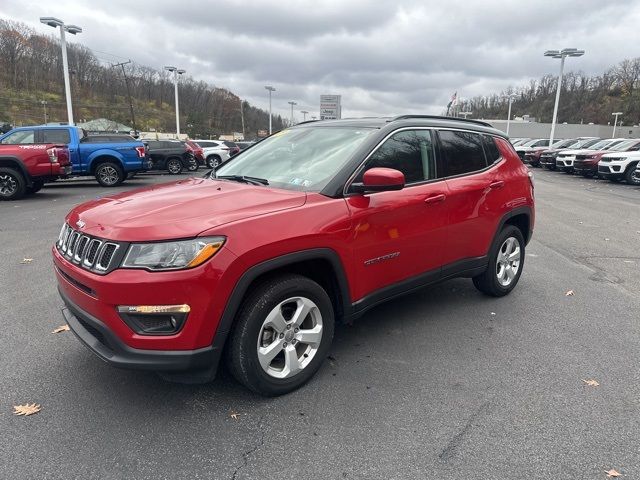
column 109, row 174
column 213, row 161
column 631, row 177
column 506, row 261
column 12, row 184
column 193, row 165
column 282, row 335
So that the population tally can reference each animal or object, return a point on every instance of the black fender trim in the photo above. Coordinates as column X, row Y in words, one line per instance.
column 239, row 291
column 20, row 166
column 510, row 214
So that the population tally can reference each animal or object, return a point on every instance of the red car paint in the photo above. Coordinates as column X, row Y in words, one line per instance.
column 43, row 160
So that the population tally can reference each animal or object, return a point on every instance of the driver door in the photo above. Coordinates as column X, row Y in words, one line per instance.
column 398, row 236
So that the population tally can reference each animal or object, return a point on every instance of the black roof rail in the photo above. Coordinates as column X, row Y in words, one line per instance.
column 440, row 117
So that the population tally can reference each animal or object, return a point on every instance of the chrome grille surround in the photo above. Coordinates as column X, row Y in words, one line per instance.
column 90, row 253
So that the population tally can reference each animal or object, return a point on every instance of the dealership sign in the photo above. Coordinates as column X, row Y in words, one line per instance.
column 330, row 108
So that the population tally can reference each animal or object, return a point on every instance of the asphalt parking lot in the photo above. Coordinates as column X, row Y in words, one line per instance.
column 444, row 383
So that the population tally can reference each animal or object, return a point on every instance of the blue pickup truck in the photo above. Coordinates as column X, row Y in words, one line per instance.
column 110, row 158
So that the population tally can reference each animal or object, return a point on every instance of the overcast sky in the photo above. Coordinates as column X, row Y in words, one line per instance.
column 383, row 56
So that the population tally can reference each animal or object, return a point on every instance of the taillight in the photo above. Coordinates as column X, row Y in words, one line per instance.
column 141, row 152
column 53, row 154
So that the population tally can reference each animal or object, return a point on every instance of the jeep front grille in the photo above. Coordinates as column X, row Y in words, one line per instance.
column 90, row 253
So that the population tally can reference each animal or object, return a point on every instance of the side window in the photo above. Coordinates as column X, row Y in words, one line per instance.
column 410, row 151
column 462, row 152
column 490, row 149
column 58, row 135
column 23, row 136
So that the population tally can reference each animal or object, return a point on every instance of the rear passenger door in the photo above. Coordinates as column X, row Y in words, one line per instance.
column 476, row 177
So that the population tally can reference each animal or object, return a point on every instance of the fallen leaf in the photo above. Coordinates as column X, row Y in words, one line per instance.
column 26, row 409
column 613, row 473
column 493, row 313
column 569, row 294
column 26, row 260
column 580, row 223
column 606, row 239
column 591, row 383
column 234, row 415
column 61, row 328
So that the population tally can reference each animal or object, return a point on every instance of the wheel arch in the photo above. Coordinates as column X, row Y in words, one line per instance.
column 104, row 158
column 322, row 265
column 518, row 217
column 14, row 162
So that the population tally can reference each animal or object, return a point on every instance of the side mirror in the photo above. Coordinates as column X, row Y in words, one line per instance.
column 379, row 179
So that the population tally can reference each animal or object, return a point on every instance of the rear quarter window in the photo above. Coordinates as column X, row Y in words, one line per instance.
column 490, row 149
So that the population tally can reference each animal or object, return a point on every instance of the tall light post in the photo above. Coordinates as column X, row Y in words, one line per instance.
column 561, row 54
column 304, row 115
column 44, row 104
column 176, row 72
column 72, row 29
column 615, row 123
column 511, row 96
column 292, row 104
column 271, row 89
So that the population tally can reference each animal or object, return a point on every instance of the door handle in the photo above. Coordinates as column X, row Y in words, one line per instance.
column 435, row 199
column 497, row 184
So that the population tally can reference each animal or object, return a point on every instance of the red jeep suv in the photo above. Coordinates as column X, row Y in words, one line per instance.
column 319, row 222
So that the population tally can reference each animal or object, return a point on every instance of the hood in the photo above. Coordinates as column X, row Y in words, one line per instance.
column 628, row 154
column 179, row 209
column 578, row 151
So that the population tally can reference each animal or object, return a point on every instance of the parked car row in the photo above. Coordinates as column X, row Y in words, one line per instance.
column 31, row 156
column 615, row 159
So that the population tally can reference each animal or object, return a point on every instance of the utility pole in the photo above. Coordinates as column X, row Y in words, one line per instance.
column 292, row 103
column 126, row 82
column 271, row 90
column 304, row 115
column 615, row 123
column 44, row 104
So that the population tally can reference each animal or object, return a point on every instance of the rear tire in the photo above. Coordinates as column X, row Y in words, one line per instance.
column 282, row 334
column 109, row 174
column 506, row 261
column 13, row 185
column 174, row 166
column 193, row 165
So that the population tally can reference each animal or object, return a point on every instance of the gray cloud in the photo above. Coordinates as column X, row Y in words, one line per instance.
column 384, row 57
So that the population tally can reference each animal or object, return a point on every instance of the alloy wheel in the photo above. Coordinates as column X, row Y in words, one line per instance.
column 289, row 337
column 173, row 167
column 108, row 175
column 8, row 185
column 508, row 261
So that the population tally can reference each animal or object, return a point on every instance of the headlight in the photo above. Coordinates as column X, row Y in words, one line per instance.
column 173, row 255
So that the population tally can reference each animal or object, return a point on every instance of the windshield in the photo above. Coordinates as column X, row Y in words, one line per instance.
column 624, row 146
column 528, row 143
column 587, row 143
column 601, row 145
column 565, row 143
column 303, row 158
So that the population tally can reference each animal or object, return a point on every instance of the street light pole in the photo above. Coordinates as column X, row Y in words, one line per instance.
column 511, row 97
column 176, row 72
column 72, row 29
column 304, row 115
column 271, row 89
column 615, row 123
column 561, row 54
column 292, row 104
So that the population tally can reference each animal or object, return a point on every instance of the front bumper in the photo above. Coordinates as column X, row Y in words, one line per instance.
column 565, row 163
column 611, row 170
column 109, row 348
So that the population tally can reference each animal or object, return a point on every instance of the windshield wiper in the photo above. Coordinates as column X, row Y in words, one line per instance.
column 245, row 179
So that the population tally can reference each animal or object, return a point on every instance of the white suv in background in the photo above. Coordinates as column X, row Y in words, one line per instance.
column 616, row 166
column 565, row 159
column 215, row 152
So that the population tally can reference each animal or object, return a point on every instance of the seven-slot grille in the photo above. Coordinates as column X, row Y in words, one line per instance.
column 88, row 252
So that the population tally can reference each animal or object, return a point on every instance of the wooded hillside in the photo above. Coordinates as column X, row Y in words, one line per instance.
column 31, row 72
column 583, row 99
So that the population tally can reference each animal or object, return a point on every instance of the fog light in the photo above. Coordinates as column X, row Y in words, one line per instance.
column 154, row 319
